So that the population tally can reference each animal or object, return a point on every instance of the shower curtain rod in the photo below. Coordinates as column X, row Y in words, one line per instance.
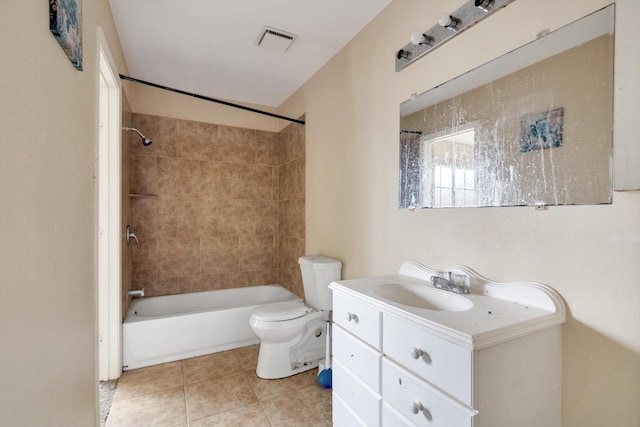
column 206, row 98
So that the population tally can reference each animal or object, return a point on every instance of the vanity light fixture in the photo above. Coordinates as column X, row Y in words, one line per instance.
column 484, row 5
column 448, row 25
column 449, row 22
column 403, row 55
column 419, row 38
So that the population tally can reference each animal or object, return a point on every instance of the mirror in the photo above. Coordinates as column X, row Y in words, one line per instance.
column 533, row 127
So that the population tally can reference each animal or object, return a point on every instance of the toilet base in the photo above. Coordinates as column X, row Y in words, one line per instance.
column 300, row 354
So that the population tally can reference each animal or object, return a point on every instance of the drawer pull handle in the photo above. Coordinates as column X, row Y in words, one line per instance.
column 417, row 407
column 352, row 316
column 416, row 353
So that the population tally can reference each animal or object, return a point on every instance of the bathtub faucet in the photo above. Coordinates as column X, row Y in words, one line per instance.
column 136, row 292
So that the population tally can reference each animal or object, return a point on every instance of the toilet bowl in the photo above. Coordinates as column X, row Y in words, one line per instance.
column 292, row 333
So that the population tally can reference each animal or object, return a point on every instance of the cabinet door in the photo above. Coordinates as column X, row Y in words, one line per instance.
column 362, row 360
column 419, row 402
column 446, row 365
column 357, row 317
column 364, row 402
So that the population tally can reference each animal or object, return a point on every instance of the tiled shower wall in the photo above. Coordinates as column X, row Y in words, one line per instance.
column 215, row 206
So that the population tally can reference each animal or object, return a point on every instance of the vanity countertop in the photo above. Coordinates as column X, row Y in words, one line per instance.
column 500, row 311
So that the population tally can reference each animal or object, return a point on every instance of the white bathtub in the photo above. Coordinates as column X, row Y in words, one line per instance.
column 173, row 327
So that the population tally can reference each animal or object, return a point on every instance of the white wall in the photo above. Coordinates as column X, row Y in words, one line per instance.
column 163, row 103
column 590, row 254
column 48, row 137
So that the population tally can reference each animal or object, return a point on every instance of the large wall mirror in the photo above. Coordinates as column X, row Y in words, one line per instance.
column 533, row 127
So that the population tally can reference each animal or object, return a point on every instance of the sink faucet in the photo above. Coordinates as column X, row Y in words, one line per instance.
column 448, row 284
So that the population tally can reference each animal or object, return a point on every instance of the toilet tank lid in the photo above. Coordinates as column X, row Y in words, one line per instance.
column 320, row 262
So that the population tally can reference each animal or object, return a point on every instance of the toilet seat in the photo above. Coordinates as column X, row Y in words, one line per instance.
column 280, row 311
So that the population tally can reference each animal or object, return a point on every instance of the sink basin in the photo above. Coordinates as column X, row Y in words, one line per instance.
column 423, row 296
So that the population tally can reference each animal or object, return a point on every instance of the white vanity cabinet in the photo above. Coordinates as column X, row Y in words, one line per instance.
column 392, row 368
column 356, row 361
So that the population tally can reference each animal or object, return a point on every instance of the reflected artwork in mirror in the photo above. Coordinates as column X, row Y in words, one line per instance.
column 531, row 128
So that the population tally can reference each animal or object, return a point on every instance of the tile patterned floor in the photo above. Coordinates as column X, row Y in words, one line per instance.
column 220, row 389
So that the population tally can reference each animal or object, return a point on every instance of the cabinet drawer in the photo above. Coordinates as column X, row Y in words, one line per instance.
column 364, row 402
column 419, row 402
column 342, row 415
column 446, row 365
column 392, row 418
column 363, row 361
column 357, row 317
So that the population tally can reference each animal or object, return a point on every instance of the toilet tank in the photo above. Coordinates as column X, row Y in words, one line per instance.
column 317, row 274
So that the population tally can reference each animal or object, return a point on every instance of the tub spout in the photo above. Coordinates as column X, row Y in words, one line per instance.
column 136, row 292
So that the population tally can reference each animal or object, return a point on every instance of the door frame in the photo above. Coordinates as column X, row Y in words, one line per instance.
column 109, row 268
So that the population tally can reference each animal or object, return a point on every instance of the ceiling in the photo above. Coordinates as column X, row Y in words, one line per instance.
column 209, row 47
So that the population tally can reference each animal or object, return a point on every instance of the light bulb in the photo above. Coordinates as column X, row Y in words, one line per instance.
column 417, row 37
column 445, row 20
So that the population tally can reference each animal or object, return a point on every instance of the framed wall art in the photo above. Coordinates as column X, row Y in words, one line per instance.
column 541, row 130
column 65, row 23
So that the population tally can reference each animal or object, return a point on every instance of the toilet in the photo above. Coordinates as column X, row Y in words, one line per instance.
column 292, row 333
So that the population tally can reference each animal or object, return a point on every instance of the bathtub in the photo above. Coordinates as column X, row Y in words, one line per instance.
column 173, row 327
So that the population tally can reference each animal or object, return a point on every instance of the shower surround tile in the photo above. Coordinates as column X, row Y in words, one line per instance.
column 256, row 182
column 292, row 181
column 145, row 221
column 178, row 177
column 178, row 257
column 143, row 256
column 219, row 180
column 237, row 145
column 197, row 140
column 257, row 252
column 143, row 175
column 163, row 131
column 267, row 149
column 219, row 254
column 218, row 220
column 267, row 217
column 292, row 218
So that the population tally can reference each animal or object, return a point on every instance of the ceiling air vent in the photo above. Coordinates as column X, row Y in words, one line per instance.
column 275, row 39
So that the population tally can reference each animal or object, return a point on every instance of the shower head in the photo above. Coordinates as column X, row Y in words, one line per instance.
column 145, row 141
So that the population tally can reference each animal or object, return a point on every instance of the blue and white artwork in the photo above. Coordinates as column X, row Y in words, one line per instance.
column 542, row 130
column 66, row 26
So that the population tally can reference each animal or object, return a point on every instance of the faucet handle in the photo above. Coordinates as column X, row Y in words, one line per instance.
column 129, row 235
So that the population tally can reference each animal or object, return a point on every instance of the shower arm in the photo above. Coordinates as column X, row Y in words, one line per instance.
column 134, row 130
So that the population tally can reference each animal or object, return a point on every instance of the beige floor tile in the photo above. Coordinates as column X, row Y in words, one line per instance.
column 147, row 380
column 210, row 366
column 221, row 394
column 309, row 407
column 268, row 389
column 162, row 409
column 248, row 416
column 248, row 356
